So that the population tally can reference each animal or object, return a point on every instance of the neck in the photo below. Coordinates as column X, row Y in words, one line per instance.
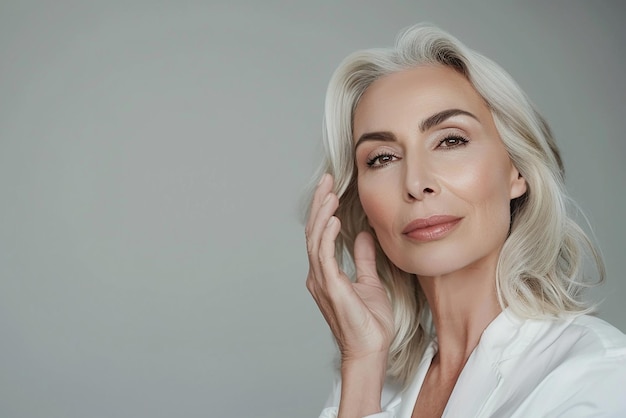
column 463, row 304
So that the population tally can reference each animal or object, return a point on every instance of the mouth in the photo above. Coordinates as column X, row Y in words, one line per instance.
column 431, row 228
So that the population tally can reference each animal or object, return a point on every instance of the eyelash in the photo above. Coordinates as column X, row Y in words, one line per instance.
column 460, row 142
column 372, row 161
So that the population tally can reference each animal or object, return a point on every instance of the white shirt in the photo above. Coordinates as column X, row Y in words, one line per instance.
column 574, row 367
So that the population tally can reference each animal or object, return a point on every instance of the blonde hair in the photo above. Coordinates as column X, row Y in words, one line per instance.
column 539, row 271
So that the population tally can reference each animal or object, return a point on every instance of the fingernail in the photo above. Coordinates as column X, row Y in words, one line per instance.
column 326, row 199
column 331, row 221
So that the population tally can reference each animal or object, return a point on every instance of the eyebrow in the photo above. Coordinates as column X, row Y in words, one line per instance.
column 428, row 123
column 440, row 117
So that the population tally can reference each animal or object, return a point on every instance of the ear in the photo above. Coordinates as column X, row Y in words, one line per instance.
column 518, row 183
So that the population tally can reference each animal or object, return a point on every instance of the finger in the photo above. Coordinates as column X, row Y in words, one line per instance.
column 327, row 260
column 314, row 235
column 323, row 188
column 365, row 258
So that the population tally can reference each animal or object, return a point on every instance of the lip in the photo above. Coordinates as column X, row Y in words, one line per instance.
column 432, row 228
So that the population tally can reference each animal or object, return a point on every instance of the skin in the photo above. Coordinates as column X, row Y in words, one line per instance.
column 457, row 167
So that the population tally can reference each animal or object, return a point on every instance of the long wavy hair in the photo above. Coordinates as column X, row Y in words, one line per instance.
column 539, row 272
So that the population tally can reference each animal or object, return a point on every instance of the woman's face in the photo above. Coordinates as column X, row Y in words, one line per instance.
column 434, row 178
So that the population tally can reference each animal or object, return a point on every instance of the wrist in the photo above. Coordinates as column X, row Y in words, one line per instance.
column 362, row 380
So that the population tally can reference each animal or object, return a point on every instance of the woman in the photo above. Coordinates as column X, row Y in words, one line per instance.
column 444, row 186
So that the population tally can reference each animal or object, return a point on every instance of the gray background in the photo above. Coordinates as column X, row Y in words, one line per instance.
column 152, row 160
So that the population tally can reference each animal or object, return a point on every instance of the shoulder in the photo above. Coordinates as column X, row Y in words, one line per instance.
column 574, row 367
column 581, row 336
column 596, row 336
column 589, row 351
column 575, row 346
column 581, row 340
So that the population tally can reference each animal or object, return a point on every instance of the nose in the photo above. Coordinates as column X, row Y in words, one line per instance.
column 419, row 180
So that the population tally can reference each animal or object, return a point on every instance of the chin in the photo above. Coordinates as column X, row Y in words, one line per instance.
column 432, row 268
column 444, row 257
column 429, row 271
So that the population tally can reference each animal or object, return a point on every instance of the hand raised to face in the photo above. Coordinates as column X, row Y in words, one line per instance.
column 359, row 313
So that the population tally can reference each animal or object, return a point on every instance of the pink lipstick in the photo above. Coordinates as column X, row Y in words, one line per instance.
column 431, row 228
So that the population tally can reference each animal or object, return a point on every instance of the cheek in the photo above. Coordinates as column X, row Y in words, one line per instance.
column 485, row 180
column 486, row 187
column 377, row 204
column 374, row 209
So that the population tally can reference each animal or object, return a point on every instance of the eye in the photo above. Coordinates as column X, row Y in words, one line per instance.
column 452, row 141
column 381, row 160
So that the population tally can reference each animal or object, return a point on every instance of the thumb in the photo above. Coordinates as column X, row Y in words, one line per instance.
column 365, row 258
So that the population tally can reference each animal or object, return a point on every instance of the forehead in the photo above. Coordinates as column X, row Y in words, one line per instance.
column 411, row 95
